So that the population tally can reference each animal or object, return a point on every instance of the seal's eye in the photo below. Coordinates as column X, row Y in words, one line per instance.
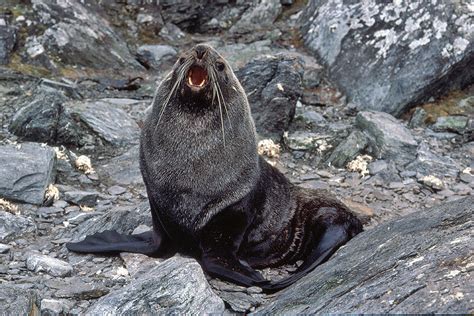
column 220, row 66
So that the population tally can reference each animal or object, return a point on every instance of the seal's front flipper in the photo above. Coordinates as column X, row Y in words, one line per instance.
column 109, row 242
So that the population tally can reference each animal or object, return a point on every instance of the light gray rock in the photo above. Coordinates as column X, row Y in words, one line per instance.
column 388, row 138
column 16, row 300
column 109, row 122
column 273, row 85
column 175, row 286
column 123, row 169
column 14, row 226
column 54, row 307
column 397, row 267
column 25, row 171
column 81, row 197
column 260, row 15
column 388, row 56
column 152, row 56
column 377, row 166
column 40, row 263
column 428, row 163
column 4, row 248
column 455, row 124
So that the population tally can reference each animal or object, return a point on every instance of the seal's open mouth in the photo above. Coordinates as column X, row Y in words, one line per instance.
column 197, row 77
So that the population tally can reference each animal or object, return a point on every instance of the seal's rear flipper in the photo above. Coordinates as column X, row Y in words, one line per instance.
column 110, row 241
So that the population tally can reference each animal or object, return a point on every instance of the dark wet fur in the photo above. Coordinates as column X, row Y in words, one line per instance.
column 213, row 197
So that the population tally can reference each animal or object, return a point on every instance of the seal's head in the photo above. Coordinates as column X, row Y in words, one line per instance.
column 202, row 76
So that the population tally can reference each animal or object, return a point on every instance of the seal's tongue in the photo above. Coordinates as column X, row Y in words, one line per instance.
column 197, row 76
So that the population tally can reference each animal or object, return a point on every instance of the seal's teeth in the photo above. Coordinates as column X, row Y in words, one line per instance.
column 190, row 81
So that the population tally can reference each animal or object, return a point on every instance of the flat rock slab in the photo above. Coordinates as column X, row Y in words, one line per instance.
column 416, row 264
column 25, row 171
column 175, row 286
column 55, row 267
column 108, row 121
column 387, row 56
column 123, row 169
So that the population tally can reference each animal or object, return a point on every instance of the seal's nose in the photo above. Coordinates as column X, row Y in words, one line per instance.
column 200, row 51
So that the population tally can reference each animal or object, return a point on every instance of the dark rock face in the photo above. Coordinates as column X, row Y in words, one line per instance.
column 372, row 48
column 25, row 172
column 174, row 286
column 7, row 43
column 273, row 85
column 46, row 119
column 77, row 35
column 415, row 264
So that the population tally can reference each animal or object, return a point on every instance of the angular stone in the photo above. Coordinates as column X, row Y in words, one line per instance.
column 429, row 163
column 273, row 85
column 388, row 138
column 78, row 289
column 54, row 307
column 46, row 119
column 55, row 267
column 174, row 286
column 377, row 166
column 4, row 248
column 123, row 169
column 261, row 15
column 7, row 43
column 455, row 124
column 389, row 56
column 348, row 149
column 14, row 226
column 109, row 122
column 25, row 171
column 81, row 197
column 152, row 56
column 396, row 267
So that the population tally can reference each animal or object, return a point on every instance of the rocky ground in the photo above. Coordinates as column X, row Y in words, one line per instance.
column 388, row 129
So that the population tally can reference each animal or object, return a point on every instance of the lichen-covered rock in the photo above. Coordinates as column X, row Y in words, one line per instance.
column 388, row 56
column 416, row 264
column 273, row 85
column 175, row 286
column 25, row 171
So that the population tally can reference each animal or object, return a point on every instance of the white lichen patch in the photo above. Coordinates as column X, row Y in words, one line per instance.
column 86, row 208
column 83, row 163
column 9, row 207
column 52, row 193
column 280, row 87
column 452, row 274
column 360, row 164
column 415, row 260
column 460, row 45
column 386, row 39
column 439, row 27
column 433, row 182
column 268, row 148
column 60, row 153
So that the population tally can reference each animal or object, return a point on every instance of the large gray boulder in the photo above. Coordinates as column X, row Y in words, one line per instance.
column 175, row 286
column 416, row 264
column 388, row 56
column 25, row 172
column 273, row 85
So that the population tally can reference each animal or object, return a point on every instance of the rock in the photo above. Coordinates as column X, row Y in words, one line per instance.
column 388, row 138
column 116, row 190
column 109, row 122
column 455, row 124
column 428, row 163
column 4, row 248
column 377, row 166
column 273, row 85
column 396, row 267
column 259, row 16
column 152, row 56
column 171, row 32
column 123, row 219
column 45, row 119
column 54, row 307
column 26, row 170
column 348, row 149
column 389, row 56
column 311, row 118
column 77, row 289
column 306, row 141
column 7, row 43
column 14, row 226
column 16, row 300
column 123, row 169
column 175, row 286
column 55, row 267
column 74, row 35
column 418, row 118
column 81, row 197
column 433, row 182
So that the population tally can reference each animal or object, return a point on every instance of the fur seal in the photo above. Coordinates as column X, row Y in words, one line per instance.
column 212, row 196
